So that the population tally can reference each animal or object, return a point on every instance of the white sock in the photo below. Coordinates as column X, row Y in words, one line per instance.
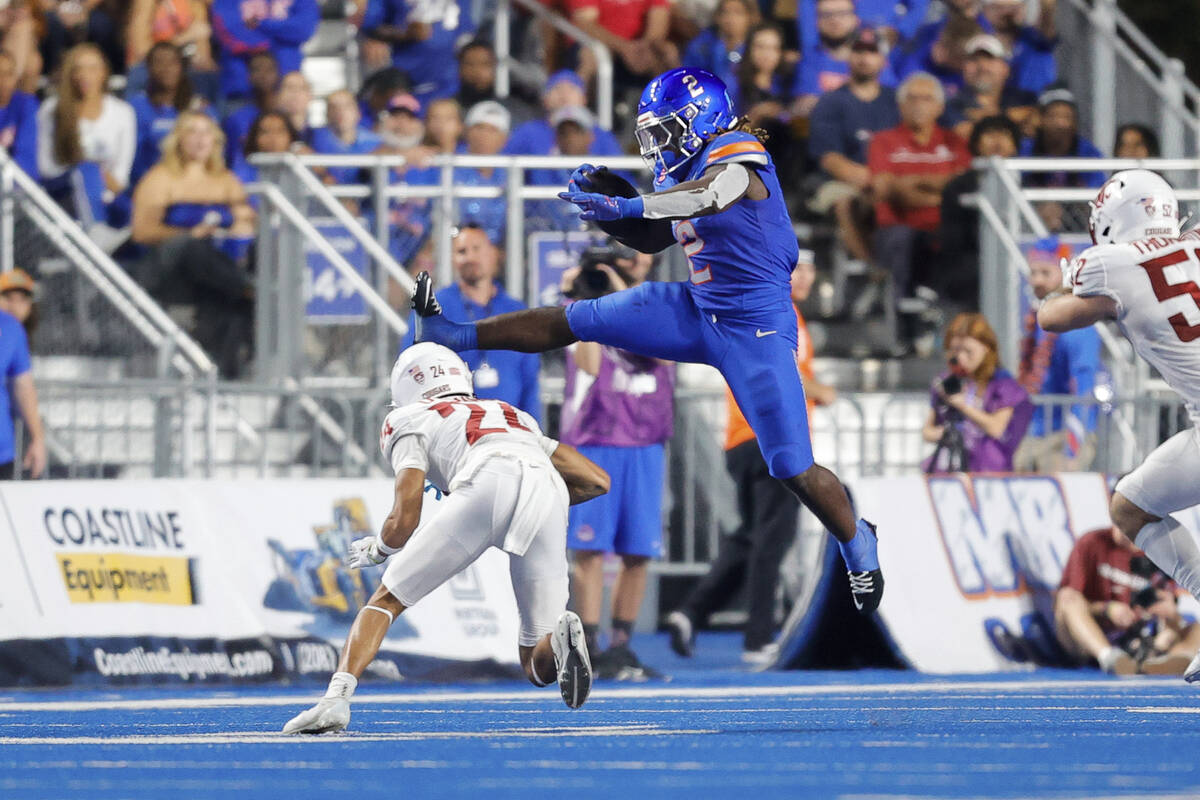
column 1174, row 549
column 342, row 684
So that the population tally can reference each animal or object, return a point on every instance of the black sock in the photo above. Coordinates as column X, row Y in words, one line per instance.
column 622, row 631
column 591, row 633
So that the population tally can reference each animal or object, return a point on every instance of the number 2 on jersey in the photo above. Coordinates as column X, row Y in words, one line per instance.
column 1165, row 291
column 475, row 429
column 692, row 244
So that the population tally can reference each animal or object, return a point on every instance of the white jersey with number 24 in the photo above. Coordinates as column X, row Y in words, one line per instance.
column 1156, row 285
column 448, row 438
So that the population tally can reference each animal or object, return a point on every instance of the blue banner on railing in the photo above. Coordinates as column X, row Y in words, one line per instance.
column 330, row 297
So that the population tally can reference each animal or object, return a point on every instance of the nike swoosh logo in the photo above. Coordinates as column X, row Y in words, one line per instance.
column 761, row 334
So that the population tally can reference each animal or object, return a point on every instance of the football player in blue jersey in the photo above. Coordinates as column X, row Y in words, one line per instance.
column 716, row 195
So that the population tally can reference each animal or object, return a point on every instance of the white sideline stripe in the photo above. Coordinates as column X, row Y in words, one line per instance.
column 258, row 737
column 1158, row 710
column 676, row 692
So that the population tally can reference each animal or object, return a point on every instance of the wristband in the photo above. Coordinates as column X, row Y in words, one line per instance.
column 383, row 548
column 631, row 207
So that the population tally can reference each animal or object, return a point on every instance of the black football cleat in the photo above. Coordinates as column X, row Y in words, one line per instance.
column 423, row 301
column 866, row 587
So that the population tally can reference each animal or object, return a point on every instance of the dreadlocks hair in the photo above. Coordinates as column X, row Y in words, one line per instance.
column 743, row 124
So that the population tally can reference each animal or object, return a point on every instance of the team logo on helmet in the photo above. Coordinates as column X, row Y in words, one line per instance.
column 417, row 375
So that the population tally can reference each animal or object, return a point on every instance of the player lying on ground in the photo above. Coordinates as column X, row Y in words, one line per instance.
column 718, row 197
column 506, row 486
column 1146, row 276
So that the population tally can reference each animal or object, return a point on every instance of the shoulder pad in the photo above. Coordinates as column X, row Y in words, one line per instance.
column 734, row 146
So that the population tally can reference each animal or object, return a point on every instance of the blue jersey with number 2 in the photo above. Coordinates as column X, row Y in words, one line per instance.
column 741, row 258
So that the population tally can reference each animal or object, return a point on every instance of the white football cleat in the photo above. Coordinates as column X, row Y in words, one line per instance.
column 1192, row 673
column 571, row 659
column 330, row 715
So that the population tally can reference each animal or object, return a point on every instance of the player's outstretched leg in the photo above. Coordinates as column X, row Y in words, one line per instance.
column 824, row 495
column 534, row 330
column 571, row 659
column 332, row 712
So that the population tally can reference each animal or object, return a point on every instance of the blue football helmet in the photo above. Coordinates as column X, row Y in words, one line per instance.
column 678, row 111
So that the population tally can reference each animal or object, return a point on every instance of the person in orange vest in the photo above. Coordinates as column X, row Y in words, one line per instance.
column 753, row 553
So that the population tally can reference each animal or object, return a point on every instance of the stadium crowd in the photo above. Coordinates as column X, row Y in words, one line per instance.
column 139, row 118
column 873, row 108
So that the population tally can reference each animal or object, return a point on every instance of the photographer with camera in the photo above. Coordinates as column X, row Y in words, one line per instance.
column 618, row 409
column 979, row 412
column 1114, row 606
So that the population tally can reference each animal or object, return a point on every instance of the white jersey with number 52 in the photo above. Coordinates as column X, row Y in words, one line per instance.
column 449, row 437
column 1156, row 285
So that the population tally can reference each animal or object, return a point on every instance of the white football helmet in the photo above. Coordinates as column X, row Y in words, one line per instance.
column 427, row 370
column 1134, row 204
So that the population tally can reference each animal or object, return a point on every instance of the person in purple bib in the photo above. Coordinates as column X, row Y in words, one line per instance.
column 618, row 407
column 978, row 411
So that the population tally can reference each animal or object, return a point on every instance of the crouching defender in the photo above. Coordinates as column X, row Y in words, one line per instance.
column 717, row 196
column 507, row 486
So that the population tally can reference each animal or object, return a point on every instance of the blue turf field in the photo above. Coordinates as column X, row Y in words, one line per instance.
column 712, row 731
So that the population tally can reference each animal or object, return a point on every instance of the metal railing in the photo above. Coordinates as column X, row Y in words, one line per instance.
column 163, row 428
column 604, row 67
column 382, row 188
column 33, row 228
column 158, row 428
column 1100, row 49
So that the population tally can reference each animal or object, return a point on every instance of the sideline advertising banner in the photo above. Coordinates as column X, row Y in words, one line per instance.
column 213, row 581
column 972, row 562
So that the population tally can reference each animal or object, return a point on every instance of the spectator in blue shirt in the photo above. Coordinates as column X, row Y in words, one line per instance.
column 840, row 128
column 270, row 132
column 939, row 48
column 897, row 19
column 246, row 27
column 987, row 92
column 1058, row 137
column 499, row 374
column 487, row 130
column 403, row 132
column 826, row 67
column 18, row 118
column 294, row 97
column 477, row 81
column 343, row 135
column 18, row 383
column 564, row 89
column 264, row 81
column 763, row 85
column 1033, row 63
column 423, row 38
column 168, row 92
column 720, row 49
column 1060, row 439
column 573, row 127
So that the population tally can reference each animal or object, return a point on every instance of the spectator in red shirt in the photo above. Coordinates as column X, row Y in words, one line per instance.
column 910, row 165
column 1112, row 602
column 634, row 30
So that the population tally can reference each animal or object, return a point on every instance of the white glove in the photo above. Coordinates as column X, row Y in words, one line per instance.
column 1069, row 269
column 367, row 552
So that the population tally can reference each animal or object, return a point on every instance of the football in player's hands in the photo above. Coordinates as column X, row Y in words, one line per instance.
column 581, row 179
column 604, row 181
